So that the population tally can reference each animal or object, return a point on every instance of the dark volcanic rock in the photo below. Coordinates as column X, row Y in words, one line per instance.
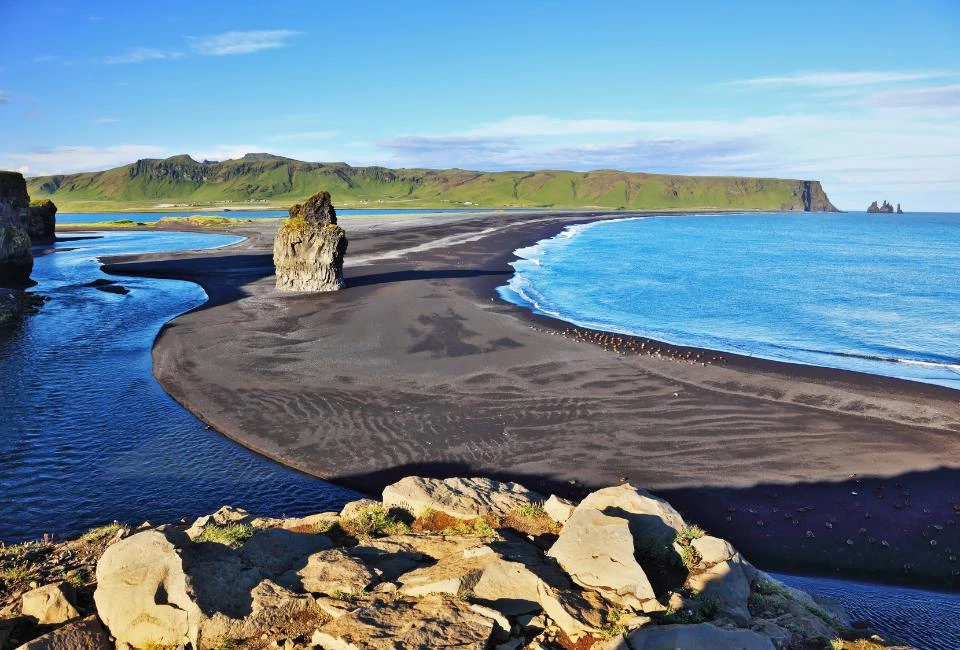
column 309, row 247
column 42, row 221
column 16, row 261
column 886, row 208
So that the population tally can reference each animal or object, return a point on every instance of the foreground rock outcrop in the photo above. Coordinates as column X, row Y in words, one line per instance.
column 465, row 563
column 309, row 248
column 42, row 221
column 16, row 261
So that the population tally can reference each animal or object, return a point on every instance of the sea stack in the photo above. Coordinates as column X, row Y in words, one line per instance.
column 16, row 261
column 42, row 221
column 309, row 248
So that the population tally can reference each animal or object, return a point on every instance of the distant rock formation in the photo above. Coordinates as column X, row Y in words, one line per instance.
column 309, row 248
column 16, row 261
column 42, row 221
column 886, row 208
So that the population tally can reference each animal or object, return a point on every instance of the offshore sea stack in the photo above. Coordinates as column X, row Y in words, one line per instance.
column 42, row 221
column 16, row 261
column 309, row 248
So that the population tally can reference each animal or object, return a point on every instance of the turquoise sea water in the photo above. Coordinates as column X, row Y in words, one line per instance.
column 872, row 293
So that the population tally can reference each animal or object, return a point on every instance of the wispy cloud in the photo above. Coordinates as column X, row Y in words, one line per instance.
column 67, row 159
column 104, row 120
column 4, row 97
column 839, row 79
column 931, row 97
column 242, row 42
column 301, row 135
column 537, row 125
column 668, row 155
column 140, row 54
column 226, row 151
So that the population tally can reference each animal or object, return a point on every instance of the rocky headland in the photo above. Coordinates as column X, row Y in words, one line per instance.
column 465, row 563
column 309, row 247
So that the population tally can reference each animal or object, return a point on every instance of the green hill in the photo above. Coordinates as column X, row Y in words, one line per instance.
column 277, row 181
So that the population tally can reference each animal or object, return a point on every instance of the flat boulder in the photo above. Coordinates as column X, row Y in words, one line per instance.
column 331, row 572
column 597, row 552
column 713, row 550
column 157, row 588
column 84, row 634
column 49, row 604
column 558, row 509
column 417, row 624
column 690, row 637
column 463, row 498
column 142, row 594
column 728, row 582
column 276, row 551
column 309, row 248
column 651, row 518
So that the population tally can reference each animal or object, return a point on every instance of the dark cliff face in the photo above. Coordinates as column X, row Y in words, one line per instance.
column 16, row 261
column 42, row 221
column 815, row 199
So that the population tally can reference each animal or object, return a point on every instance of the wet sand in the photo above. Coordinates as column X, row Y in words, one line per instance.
column 419, row 368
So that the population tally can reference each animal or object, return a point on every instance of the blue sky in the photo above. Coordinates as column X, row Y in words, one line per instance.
column 865, row 97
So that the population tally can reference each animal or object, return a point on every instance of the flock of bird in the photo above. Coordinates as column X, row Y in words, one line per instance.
column 624, row 344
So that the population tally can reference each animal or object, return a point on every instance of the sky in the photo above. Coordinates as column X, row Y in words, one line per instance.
column 864, row 97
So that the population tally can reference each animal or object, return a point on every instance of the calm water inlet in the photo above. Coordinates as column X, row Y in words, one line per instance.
column 89, row 436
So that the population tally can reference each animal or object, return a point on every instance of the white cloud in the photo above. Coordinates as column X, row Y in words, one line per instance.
column 23, row 169
column 69, row 159
column 302, row 135
column 933, row 97
column 242, row 42
column 104, row 120
column 226, row 151
column 839, row 79
column 4, row 97
column 535, row 125
column 140, row 54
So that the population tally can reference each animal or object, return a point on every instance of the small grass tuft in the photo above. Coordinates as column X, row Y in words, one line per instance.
column 101, row 533
column 688, row 534
column 689, row 557
column 529, row 510
column 374, row 521
column 232, row 535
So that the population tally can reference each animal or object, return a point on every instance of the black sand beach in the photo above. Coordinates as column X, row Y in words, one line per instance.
column 419, row 368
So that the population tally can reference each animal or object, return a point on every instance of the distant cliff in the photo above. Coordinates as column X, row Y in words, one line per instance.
column 269, row 178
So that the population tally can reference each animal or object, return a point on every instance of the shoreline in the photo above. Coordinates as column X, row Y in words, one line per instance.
column 732, row 381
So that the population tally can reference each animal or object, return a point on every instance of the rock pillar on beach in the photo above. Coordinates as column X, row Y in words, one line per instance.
column 42, row 221
column 309, row 247
column 16, row 261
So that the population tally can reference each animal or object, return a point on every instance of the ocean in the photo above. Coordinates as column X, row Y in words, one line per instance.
column 872, row 293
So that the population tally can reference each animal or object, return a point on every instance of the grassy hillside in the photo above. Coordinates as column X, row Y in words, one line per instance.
column 276, row 181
